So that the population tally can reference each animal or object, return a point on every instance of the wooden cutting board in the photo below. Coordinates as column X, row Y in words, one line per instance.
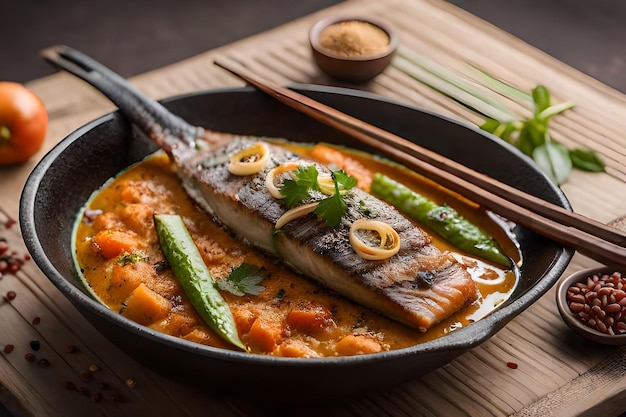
column 557, row 374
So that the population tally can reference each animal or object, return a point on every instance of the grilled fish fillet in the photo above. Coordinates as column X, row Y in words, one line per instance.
column 419, row 286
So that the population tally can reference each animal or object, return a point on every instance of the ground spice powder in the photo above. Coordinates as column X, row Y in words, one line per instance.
column 354, row 39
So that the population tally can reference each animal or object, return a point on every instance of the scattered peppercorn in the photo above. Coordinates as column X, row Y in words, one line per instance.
column 10, row 262
column 68, row 385
column 44, row 363
column 94, row 368
column 11, row 295
column 131, row 383
column 511, row 365
column 96, row 397
column 71, row 349
column 30, row 357
column 8, row 348
column 36, row 321
column 9, row 222
column 35, row 345
column 116, row 397
column 86, row 376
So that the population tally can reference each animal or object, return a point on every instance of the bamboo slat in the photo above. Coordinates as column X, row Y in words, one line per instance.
column 557, row 374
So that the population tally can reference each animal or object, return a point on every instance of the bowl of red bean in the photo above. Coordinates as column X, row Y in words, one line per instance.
column 593, row 303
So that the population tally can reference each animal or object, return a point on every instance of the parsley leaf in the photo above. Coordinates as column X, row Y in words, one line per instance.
column 243, row 279
column 297, row 189
column 332, row 208
column 343, row 180
column 130, row 258
column 304, row 181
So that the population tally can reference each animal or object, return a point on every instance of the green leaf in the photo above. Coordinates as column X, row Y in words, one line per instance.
column 298, row 189
column 501, row 130
column 344, row 181
column 553, row 158
column 541, row 97
column 527, row 134
column 330, row 209
column 244, row 279
column 490, row 125
column 531, row 136
column 586, row 160
column 333, row 208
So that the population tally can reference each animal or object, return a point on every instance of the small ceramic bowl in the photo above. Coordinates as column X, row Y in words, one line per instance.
column 353, row 52
column 574, row 320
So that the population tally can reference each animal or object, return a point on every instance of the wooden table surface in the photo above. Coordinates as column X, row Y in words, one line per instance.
column 558, row 373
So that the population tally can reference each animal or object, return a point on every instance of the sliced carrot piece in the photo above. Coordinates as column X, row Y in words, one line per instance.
column 113, row 243
column 145, row 306
column 330, row 156
column 198, row 335
column 244, row 319
column 106, row 220
column 265, row 333
column 296, row 349
column 125, row 278
column 357, row 345
column 176, row 324
column 310, row 319
column 138, row 217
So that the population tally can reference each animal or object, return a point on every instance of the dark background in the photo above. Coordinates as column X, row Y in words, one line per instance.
column 136, row 36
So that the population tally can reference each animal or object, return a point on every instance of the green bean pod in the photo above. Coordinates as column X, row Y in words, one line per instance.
column 442, row 220
column 186, row 262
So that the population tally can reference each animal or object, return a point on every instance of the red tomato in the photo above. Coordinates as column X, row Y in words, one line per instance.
column 23, row 123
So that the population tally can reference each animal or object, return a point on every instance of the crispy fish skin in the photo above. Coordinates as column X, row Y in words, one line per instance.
column 420, row 286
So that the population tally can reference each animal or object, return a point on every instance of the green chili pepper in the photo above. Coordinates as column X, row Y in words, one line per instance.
column 443, row 220
column 186, row 262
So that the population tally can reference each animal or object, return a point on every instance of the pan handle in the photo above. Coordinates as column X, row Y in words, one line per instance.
column 150, row 116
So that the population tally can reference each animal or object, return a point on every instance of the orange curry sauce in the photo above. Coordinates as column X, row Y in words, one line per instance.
column 118, row 253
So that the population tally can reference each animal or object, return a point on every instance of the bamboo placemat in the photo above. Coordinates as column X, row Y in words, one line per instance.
column 557, row 374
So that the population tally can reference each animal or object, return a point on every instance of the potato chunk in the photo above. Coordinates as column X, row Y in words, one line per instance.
column 145, row 306
column 265, row 333
column 358, row 345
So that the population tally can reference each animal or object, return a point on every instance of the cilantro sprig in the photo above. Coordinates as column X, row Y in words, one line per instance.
column 304, row 185
column 244, row 279
column 529, row 134
column 299, row 187
column 332, row 208
column 532, row 137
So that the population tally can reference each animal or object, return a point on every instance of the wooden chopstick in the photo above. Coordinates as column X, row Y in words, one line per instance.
column 592, row 238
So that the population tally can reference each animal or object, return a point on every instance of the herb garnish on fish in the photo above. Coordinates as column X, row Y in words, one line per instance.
column 332, row 208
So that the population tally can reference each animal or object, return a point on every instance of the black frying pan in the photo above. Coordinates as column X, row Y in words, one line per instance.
column 66, row 177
